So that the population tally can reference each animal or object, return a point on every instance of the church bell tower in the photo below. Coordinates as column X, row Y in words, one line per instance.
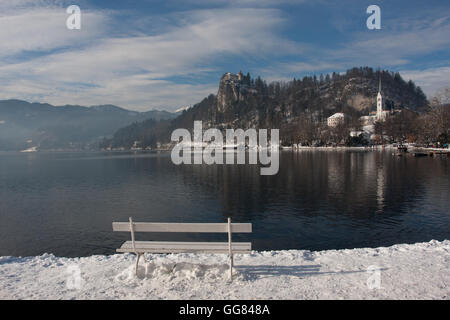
column 379, row 103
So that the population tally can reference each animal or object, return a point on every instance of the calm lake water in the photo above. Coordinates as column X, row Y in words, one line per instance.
column 64, row 203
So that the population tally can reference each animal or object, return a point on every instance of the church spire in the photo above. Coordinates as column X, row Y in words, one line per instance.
column 380, row 115
column 379, row 85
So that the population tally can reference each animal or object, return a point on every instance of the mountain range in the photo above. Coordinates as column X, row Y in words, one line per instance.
column 24, row 125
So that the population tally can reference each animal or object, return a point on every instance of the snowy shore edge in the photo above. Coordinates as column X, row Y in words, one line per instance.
column 403, row 271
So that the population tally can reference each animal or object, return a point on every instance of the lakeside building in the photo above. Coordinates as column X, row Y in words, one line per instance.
column 367, row 121
column 380, row 115
column 336, row 119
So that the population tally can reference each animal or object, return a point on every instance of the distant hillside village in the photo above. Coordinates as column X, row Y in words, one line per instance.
column 365, row 132
column 360, row 107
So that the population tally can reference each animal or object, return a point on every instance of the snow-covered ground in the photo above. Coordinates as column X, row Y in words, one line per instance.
column 418, row 271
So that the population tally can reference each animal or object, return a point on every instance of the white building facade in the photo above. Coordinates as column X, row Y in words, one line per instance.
column 336, row 119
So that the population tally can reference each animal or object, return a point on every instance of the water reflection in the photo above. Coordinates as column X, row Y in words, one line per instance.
column 65, row 203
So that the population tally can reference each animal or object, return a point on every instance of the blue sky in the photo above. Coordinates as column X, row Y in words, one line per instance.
column 147, row 54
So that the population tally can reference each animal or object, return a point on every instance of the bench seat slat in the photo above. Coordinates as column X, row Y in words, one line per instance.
column 183, row 227
column 175, row 247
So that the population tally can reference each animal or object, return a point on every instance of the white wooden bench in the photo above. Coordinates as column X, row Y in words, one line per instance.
column 141, row 247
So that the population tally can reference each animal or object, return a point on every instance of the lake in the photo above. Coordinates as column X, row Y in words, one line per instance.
column 64, row 203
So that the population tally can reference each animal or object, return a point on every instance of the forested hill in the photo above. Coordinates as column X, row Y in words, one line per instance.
column 244, row 102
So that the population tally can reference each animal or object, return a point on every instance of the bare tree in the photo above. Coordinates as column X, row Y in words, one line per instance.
column 380, row 131
column 307, row 130
column 426, row 130
column 341, row 132
column 440, row 111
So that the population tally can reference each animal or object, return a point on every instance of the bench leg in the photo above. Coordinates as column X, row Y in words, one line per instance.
column 231, row 266
column 137, row 262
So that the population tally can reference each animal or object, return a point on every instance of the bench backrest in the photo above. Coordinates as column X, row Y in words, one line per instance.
column 229, row 228
column 182, row 227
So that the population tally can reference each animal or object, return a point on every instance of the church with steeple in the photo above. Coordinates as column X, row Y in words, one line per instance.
column 379, row 103
column 381, row 114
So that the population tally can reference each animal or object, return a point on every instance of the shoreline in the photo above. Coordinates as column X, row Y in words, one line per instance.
column 406, row 271
column 282, row 148
column 374, row 148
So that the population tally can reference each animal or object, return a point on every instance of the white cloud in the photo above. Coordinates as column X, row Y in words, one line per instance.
column 430, row 80
column 6, row 7
column 41, row 60
column 245, row 3
column 286, row 71
column 133, row 71
column 44, row 29
column 400, row 43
